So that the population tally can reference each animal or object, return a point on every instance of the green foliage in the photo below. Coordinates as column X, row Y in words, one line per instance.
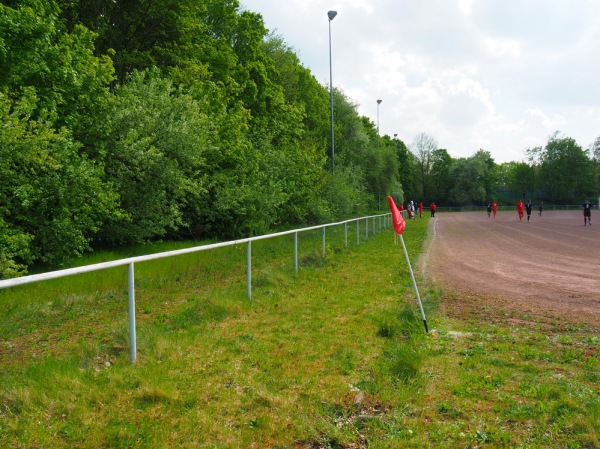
column 154, row 156
column 67, row 78
column 565, row 169
column 52, row 199
column 469, row 178
column 346, row 195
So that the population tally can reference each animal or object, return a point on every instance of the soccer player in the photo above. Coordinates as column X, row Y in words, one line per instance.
column 587, row 212
column 520, row 207
column 494, row 208
column 432, row 207
column 528, row 208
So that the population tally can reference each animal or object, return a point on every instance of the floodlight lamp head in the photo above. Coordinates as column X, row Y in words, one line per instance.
column 331, row 15
column 379, row 101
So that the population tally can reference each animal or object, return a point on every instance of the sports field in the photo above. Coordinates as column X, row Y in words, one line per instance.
column 548, row 268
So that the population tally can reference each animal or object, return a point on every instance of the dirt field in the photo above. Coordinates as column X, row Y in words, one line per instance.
column 544, row 271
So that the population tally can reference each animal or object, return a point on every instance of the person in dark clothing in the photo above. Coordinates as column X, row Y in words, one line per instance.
column 587, row 213
column 489, row 209
column 528, row 209
column 541, row 207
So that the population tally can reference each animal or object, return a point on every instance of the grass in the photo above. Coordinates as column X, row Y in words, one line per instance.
column 333, row 357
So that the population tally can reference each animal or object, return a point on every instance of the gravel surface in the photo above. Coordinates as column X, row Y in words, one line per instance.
column 545, row 269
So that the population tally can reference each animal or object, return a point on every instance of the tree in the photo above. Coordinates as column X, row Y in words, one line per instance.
column 302, row 89
column 406, row 165
column 155, row 157
column 69, row 80
column 423, row 147
column 521, row 180
column 565, row 169
column 382, row 168
column 52, row 198
column 468, row 175
column 440, row 174
column 594, row 153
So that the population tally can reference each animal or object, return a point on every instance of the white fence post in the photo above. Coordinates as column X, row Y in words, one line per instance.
column 296, row 252
column 131, row 301
column 249, row 270
column 346, row 234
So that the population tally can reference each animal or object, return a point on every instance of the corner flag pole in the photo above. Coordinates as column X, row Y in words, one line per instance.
column 399, row 225
column 412, row 275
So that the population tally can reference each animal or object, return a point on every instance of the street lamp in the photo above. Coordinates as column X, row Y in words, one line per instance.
column 378, row 103
column 331, row 15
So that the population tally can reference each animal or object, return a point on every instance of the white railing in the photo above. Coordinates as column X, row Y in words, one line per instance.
column 378, row 221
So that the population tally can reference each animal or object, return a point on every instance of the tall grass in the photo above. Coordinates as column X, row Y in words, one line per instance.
column 332, row 357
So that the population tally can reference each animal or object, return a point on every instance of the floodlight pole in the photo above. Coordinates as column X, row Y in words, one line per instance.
column 331, row 15
column 378, row 190
column 378, row 103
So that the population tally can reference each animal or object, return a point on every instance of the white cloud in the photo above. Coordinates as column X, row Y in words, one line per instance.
column 466, row 6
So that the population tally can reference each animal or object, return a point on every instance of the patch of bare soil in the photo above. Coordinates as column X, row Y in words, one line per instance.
column 546, row 270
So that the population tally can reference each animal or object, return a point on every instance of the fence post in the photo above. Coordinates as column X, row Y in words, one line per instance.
column 358, row 232
column 131, row 301
column 249, row 270
column 323, row 245
column 296, row 252
column 346, row 233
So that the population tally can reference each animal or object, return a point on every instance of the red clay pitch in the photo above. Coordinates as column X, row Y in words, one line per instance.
column 548, row 268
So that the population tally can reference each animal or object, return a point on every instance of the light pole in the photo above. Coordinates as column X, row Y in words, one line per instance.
column 331, row 15
column 378, row 189
column 378, row 103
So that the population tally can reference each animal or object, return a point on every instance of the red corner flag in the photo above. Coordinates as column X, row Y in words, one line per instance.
column 397, row 218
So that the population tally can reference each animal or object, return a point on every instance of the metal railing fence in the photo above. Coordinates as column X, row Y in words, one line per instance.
column 372, row 224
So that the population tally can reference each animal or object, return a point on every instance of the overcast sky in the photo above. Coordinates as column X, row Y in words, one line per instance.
column 498, row 75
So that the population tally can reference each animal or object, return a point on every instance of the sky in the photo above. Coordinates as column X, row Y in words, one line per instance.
column 502, row 76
